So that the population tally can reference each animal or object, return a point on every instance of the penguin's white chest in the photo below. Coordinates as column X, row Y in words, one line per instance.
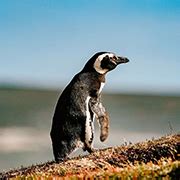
column 89, row 129
column 89, row 124
column 101, row 87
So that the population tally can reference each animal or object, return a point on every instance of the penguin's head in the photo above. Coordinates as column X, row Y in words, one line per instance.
column 103, row 62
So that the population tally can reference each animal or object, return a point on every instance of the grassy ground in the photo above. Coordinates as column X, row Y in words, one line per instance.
column 147, row 160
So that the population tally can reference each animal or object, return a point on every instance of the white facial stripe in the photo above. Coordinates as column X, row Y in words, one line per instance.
column 97, row 67
column 106, row 54
column 89, row 124
column 97, row 64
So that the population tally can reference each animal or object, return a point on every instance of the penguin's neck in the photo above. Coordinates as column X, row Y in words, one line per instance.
column 99, row 77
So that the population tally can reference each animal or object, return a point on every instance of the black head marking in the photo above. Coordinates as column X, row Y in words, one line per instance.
column 102, row 62
column 107, row 63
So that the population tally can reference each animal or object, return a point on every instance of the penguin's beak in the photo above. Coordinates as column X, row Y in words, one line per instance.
column 121, row 60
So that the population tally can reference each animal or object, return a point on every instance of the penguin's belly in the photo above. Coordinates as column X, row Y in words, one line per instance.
column 89, row 126
column 101, row 87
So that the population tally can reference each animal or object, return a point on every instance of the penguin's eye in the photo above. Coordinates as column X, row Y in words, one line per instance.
column 113, row 58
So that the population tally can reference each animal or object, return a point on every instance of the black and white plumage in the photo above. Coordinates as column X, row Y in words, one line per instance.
column 78, row 106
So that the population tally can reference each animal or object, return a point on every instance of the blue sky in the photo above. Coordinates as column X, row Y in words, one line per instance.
column 46, row 42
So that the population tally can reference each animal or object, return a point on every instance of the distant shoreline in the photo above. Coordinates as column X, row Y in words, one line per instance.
column 11, row 87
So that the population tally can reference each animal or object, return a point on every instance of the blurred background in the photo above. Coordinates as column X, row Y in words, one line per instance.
column 43, row 44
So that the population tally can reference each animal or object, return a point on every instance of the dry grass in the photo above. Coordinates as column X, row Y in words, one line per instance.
column 149, row 159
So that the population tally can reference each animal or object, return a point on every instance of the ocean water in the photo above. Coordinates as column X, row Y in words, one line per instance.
column 26, row 115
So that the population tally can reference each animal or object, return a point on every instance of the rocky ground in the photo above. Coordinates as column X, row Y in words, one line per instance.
column 153, row 158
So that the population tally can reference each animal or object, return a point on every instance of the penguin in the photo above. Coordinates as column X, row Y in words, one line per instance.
column 78, row 106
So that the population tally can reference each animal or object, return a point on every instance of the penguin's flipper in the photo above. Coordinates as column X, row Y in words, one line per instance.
column 101, row 116
column 104, row 126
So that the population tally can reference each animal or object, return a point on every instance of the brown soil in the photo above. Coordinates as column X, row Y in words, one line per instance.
column 106, row 160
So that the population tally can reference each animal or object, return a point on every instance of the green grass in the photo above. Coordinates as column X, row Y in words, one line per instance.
column 153, row 159
column 163, row 169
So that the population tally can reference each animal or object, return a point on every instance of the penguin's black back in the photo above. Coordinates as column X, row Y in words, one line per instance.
column 71, row 105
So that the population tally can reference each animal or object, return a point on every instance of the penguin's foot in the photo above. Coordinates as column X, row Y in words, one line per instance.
column 89, row 149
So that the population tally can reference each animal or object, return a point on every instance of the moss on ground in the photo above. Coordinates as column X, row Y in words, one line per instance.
column 150, row 159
